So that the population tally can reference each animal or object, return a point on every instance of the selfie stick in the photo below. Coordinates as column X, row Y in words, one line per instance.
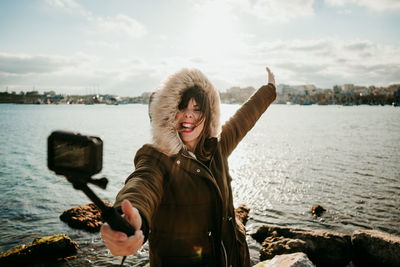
column 109, row 214
column 77, row 158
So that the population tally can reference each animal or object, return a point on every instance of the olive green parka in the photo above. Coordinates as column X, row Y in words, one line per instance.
column 186, row 205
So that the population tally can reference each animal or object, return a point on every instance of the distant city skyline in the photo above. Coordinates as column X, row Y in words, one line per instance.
column 128, row 47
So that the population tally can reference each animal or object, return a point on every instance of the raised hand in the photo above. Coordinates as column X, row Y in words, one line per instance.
column 271, row 77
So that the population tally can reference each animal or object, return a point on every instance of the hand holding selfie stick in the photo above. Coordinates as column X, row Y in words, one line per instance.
column 78, row 157
column 109, row 214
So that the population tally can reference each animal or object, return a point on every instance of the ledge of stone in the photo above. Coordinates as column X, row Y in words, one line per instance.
column 48, row 248
column 363, row 247
column 376, row 248
column 323, row 248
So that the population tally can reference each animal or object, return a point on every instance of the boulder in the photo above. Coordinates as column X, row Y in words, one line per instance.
column 48, row 248
column 86, row 217
column 288, row 260
column 317, row 210
column 375, row 248
column 277, row 245
column 242, row 213
column 323, row 248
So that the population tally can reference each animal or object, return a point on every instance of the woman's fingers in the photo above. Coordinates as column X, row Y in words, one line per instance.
column 119, row 244
column 128, row 247
column 131, row 214
column 107, row 233
column 135, row 242
column 271, row 77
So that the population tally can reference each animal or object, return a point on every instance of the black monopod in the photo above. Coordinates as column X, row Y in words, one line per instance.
column 78, row 158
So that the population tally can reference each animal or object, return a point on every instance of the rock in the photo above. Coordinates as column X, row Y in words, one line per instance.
column 280, row 245
column 261, row 234
column 288, row 260
column 375, row 248
column 86, row 217
column 242, row 213
column 48, row 248
column 317, row 210
column 323, row 248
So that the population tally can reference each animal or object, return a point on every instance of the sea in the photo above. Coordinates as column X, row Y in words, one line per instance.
column 344, row 158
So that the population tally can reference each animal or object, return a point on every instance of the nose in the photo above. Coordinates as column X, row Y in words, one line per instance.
column 187, row 113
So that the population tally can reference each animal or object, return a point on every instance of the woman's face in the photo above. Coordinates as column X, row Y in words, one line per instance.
column 189, row 126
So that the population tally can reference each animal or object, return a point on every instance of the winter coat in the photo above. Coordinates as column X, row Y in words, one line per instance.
column 186, row 204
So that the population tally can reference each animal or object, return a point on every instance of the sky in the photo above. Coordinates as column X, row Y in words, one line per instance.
column 127, row 47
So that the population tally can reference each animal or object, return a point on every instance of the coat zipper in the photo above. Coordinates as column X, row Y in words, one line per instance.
column 214, row 181
column 225, row 255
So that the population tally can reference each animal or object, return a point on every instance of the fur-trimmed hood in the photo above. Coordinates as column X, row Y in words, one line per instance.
column 164, row 107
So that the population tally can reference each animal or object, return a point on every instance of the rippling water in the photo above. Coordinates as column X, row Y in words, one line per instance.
column 344, row 158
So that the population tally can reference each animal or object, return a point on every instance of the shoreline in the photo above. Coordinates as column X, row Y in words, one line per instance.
column 144, row 103
column 323, row 248
column 326, row 248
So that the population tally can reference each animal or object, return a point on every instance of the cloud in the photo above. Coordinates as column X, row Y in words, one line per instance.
column 24, row 64
column 328, row 61
column 69, row 6
column 282, row 11
column 270, row 11
column 359, row 45
column 345, row 12
column 197, row 60
column 323, row 62
column 380, row 6
column 120, row 24
column 21, row 72
column 103, row 44
column 80, row 74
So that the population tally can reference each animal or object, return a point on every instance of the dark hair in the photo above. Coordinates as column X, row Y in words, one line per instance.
column 201, row 98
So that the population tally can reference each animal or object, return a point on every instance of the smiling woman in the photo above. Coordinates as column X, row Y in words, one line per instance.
column 179, row 197
column 190, row 125
column 194, row 113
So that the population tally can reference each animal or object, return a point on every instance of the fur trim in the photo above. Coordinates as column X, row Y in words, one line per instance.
column 164, row 108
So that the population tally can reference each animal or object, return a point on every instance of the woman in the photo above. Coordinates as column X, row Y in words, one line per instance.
column 180, row 195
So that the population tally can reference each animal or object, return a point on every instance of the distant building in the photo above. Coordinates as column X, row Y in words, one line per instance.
column 347, row 87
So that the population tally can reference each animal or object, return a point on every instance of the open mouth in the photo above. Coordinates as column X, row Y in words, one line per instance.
column 187, row 127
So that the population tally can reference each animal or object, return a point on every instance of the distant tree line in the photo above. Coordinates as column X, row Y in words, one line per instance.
column 347, row 94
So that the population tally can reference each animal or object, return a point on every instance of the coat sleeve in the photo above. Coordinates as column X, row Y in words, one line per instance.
column 245, row 118
column 144, row 187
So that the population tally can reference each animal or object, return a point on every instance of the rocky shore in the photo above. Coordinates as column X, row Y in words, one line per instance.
column 361, row 248
column 280, row 246
column 45, row 249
